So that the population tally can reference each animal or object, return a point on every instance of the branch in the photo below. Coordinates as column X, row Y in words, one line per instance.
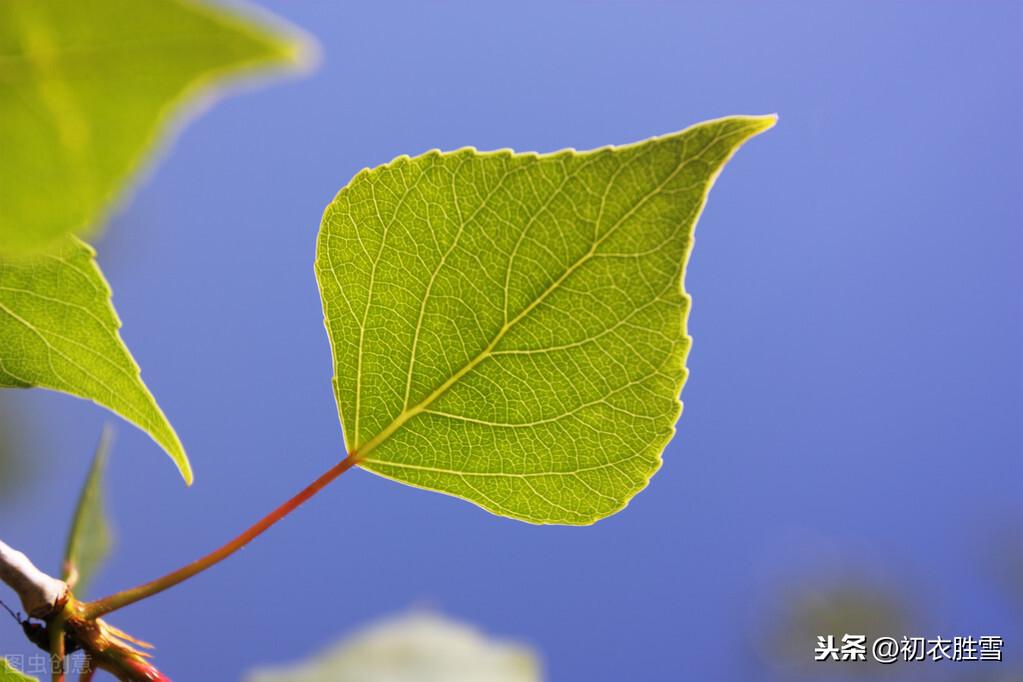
column 40, row 594
column 46, row 598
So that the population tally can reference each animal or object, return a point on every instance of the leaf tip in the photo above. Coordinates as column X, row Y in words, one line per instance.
column 171, row 444
column 302, row 52
column 164, row 435
column 753, row 125
column 763, row 123
column 285, row 42
column 185, row 468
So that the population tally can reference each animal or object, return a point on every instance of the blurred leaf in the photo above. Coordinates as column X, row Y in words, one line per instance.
column 90, row 538
column 10, row 674
column 88, row 88
column 511, row 328
column 58, row 330
column 414, row 648
column 837, row 607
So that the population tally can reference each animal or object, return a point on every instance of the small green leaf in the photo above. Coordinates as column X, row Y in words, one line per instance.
column 8, row 673
column 58, row 330
column 511, row 328
column 414, row 648
column 90, row 539
column 88, row 88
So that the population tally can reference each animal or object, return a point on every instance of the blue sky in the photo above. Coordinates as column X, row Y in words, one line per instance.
column 853, row 411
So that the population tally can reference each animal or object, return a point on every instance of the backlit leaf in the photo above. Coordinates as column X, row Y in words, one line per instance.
column 511, row 328
column 90, row 539
column 58, row 330
column 88, row 88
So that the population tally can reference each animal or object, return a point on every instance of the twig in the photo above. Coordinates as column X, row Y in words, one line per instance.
column 40, row 593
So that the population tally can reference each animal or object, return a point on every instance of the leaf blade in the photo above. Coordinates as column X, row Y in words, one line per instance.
column 87, row 91
column 90, row 538
column 58, row 330
column 493, row 317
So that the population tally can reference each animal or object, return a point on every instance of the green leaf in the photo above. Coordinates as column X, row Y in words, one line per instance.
column 511, row 328
column 90, row 539
column 414, row 648
column 9, row 673
column 58, row 330
column 88, row 88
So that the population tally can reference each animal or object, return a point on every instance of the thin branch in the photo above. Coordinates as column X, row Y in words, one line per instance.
column 58, row 654
column 116, row 601
column 40, row 593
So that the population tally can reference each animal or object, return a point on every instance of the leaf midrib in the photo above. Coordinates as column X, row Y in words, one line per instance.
column 361, row 454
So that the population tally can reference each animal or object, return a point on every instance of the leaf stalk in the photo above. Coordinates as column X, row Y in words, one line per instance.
column 101, row 607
